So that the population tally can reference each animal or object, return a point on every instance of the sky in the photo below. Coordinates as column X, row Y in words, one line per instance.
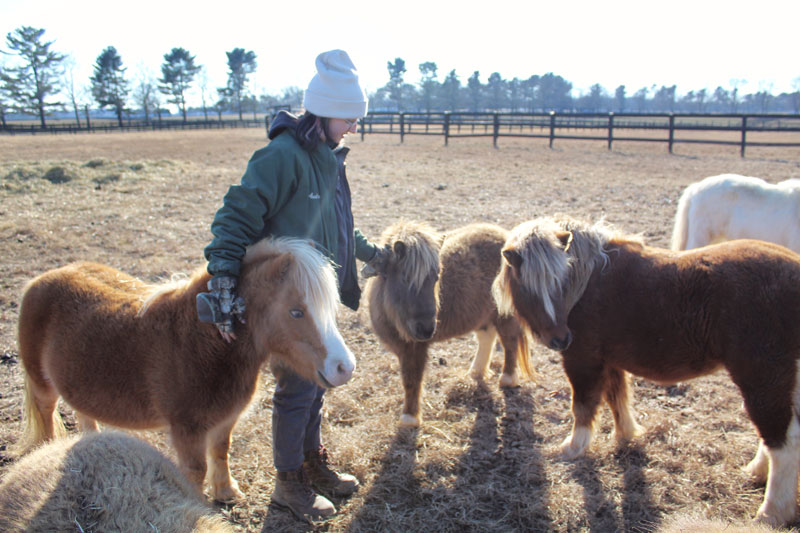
column 693, row 44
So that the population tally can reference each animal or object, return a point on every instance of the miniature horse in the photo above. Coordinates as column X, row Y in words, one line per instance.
column 136, row 356
column 728, row 207
column 409, row 309
column 613, row 306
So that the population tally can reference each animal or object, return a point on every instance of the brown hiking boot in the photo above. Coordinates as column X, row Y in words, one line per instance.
column 293, row 491
column 324, row 478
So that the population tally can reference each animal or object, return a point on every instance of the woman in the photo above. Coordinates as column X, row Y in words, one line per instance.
column 296, row 186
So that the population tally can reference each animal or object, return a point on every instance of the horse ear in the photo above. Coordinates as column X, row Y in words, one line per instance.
column 280, row 267
column 566, row 239
column 513, row 258
column 400, row 249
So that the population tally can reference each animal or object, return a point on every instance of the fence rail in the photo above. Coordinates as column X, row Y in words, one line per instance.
column 659, row 128
column 106, row 126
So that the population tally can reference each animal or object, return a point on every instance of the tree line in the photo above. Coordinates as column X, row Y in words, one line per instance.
column 40, row 81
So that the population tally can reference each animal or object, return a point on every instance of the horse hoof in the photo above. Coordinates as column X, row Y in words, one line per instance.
column 509, row 380
column 229, row 494
column 477, row 374
column 769, row 516
column 409, row 421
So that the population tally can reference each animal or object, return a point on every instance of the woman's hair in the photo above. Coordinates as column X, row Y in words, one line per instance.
column 311, row 130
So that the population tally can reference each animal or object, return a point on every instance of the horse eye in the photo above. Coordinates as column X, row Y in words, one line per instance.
column 297, row 313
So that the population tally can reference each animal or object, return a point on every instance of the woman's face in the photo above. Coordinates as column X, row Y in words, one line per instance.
column 338, row 127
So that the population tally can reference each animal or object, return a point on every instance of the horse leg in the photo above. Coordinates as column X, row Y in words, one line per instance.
column 758, row 468
column 587, row 383
column 480, row 364
column 516, row 351
column 772, row 400
column 780, row 499
column 190, row 446
column 223, row 487
column 86, row 423
column 618, row 396
column 412, row 368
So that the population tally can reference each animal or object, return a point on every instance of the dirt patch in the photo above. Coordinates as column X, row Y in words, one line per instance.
column 485, row 459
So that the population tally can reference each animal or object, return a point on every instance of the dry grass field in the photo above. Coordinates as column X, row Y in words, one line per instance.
column 485, row 459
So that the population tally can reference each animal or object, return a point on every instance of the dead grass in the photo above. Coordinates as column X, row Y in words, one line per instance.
column 485, row 459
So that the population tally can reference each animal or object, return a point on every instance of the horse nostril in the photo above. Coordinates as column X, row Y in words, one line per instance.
column 561, row 344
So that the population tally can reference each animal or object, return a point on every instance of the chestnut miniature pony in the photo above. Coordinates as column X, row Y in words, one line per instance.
column 729, row 206
column 612, row 306
column 410, row 310
column 132, row 355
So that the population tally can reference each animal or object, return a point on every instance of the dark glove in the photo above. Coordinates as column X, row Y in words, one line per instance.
column 377, row 265
column 220, row 305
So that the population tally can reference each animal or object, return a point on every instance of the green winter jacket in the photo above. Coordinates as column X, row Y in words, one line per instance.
column 285, row 191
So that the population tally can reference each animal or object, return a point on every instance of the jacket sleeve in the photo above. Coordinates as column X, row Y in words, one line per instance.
column 266, row 186
column 365, row 250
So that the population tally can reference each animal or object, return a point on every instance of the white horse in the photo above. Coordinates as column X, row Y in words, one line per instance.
column 729, row 206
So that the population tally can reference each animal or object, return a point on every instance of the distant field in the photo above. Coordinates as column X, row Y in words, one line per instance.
column 485, row 459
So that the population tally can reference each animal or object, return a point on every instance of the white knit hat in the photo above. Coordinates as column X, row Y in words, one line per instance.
column 334, row 91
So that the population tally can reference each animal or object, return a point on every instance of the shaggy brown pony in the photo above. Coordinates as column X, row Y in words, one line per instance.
column 101, row 482
column 612, row 306
column 136, row 356
column 409, row 310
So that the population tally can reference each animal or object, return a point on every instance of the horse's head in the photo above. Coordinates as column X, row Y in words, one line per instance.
column 410, row 292
column 532, row 280
column 291, row 296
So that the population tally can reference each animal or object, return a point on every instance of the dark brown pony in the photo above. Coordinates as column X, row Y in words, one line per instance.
column 613, row 306
column 437, row 287
column 133, row 355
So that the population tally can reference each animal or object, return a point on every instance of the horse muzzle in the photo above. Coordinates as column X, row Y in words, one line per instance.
column 560, row 344
column 422, row 330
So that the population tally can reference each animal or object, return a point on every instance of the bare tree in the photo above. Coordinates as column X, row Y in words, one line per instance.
column 74, row 94
column 145, row 93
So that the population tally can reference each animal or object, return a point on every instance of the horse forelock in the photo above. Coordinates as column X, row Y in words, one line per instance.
column 549, row 270
column 313, row 274
column 422, row 250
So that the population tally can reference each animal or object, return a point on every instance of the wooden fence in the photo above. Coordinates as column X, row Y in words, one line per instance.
column 610, row 127
column 107, row 126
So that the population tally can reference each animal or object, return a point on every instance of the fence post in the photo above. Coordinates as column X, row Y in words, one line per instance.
column 402, row 126
column 671, row 131
column 552, row 127
column 610, row 129
column 496, row 129
column 744, row 135
column 446, row 127
column 266, row 123
column 363, row 127
column 88, row 124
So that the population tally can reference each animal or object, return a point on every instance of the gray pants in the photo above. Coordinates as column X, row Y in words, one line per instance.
column 296, row 417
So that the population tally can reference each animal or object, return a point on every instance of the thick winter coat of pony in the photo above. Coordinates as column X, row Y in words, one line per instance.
column 102, row 482
column 613, row 306
column 438, row 286
column 729, row 206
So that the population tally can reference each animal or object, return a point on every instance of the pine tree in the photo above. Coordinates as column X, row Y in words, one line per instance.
column 109, row 86
column 30, row 83
column 240, row 65
column 177, row 73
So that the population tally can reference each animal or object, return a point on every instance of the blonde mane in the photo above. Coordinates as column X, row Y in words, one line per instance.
column 313, row 273
column 422, row 249
column 551, row 270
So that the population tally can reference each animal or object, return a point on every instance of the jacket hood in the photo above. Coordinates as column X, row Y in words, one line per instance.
column 282, row 121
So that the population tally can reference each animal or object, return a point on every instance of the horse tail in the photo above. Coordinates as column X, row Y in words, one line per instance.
column 35, row 426
column 41, row 420
column 524, row 355
column 680, row 232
